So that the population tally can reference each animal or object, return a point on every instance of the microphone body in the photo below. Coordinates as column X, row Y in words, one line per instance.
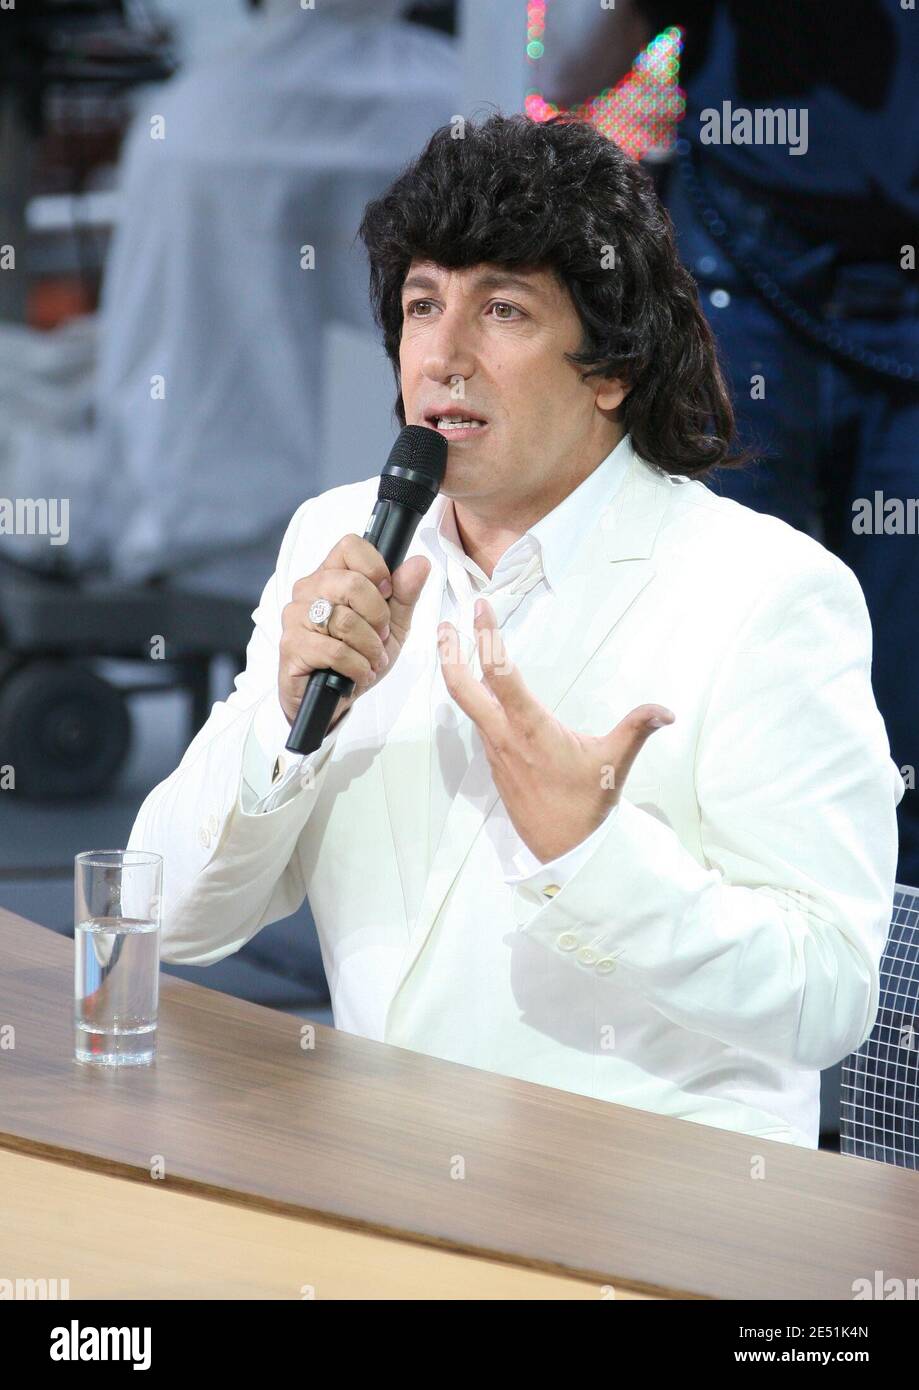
column 408, row 485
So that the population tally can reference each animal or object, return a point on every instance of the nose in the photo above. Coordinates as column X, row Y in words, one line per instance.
column 449, row 353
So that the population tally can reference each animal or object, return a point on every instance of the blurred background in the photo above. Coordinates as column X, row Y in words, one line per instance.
column 176, row 377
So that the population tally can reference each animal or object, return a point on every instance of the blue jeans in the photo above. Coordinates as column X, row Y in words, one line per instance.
column 825, row 433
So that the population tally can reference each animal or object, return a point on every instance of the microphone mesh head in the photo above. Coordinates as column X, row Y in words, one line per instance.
column 425, row 452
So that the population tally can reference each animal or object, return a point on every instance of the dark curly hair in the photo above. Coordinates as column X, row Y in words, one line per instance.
column 558, row 195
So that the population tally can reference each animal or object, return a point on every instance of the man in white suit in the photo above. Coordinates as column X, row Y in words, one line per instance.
column 627, row 826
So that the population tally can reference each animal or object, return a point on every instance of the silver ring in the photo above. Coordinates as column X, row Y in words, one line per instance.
column 320, row 612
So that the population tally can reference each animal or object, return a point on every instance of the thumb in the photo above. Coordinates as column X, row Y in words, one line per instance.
column 407, row 582
column 623, row 744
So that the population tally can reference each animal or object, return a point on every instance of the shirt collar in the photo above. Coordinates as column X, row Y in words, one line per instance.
column 557, row 534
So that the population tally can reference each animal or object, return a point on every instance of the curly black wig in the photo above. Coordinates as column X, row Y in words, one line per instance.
column 559, row 196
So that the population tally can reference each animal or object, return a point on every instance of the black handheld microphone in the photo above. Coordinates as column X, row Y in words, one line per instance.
column 408, row 485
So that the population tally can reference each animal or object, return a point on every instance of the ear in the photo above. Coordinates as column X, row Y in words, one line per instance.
column 611, row 393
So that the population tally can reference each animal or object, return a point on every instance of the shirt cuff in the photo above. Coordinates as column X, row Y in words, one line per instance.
column 272, row 775
column 271, row 732
column 550, row 877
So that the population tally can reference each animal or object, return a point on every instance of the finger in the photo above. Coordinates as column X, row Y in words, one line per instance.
column 408, row 581
column 470, row 694
column 361, row 594
column 500, row 674
column 348, row 588
column 317, row 652
column 352, row 552
column 350, row 628
column 625, row 742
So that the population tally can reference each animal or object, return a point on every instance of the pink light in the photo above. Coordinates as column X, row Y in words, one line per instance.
column 642, row 111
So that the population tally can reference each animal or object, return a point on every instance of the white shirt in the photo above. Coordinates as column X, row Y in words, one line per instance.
column 528, row 570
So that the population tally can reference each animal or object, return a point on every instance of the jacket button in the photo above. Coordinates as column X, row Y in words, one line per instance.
column 605, row 966
column 550, row 890
column 586, row 956
column 567, row 941
column 203, row 836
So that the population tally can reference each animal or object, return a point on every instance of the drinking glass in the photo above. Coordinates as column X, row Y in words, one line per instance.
column 117, row 916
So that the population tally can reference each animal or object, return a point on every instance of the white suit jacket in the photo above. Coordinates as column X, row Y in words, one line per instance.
column 720, row 942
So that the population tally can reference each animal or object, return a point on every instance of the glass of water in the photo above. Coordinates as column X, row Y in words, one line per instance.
column 117, row 898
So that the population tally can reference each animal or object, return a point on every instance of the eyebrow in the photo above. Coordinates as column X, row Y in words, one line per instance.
column 488, row 280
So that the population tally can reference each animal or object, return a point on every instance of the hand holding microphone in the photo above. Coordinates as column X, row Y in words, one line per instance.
column 337, row 649
column 362, row 636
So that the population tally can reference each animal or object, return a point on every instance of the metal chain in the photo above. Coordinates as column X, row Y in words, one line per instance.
column 829, row 340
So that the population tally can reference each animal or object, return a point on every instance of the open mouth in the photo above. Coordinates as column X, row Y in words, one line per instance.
column 455, row 424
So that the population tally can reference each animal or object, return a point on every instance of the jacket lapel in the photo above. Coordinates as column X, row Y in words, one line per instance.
column 610, row 569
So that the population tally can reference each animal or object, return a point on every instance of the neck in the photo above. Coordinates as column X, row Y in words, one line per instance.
column 488, row 526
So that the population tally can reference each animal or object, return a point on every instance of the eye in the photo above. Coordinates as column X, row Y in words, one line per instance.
column 498, row 304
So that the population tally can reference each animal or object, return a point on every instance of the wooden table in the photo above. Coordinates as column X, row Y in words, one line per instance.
column 245, row 1165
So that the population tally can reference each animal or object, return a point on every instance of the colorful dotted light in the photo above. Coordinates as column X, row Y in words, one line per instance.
column 641, row 112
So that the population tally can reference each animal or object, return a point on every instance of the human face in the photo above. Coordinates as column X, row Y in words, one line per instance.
column 490, row 343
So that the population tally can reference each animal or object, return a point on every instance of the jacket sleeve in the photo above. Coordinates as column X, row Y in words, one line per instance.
column 773, row 943
column 228, row 870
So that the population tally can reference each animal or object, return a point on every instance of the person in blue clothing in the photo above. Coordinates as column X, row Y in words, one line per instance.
column 795, row 197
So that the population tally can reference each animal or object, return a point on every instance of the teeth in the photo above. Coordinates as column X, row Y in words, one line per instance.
column 449, row 423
